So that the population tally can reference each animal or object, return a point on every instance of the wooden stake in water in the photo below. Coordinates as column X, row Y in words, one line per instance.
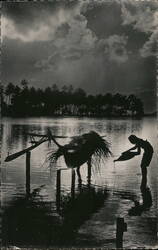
column 28, row 157
column 89, row 172
column 58, row 189
column 73, row 183
column 121, row 227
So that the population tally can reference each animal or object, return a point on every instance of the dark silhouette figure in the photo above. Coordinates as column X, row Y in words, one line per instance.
column 138, row 209
column 147, row 156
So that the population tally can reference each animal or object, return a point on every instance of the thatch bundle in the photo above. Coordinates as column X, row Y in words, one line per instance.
column 81, row 149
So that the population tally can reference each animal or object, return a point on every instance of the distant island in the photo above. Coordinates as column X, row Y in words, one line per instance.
column 25, row 100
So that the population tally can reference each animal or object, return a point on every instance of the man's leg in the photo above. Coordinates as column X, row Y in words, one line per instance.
column 144, row 178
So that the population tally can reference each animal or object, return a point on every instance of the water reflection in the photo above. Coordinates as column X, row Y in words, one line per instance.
column 29, row 221
column 138, row 208
column 34, row 221
column 133, row 125
column 75, row 211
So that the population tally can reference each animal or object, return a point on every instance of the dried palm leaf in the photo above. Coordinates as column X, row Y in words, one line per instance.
column 81, row 149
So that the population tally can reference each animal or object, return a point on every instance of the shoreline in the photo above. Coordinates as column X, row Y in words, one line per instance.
column 83, row 116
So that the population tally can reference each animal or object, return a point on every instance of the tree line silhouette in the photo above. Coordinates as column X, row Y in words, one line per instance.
column 25, row 100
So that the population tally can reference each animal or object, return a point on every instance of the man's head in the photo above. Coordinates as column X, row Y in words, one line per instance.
column 133, row 139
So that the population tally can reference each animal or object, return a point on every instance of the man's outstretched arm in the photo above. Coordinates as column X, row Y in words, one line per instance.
column 136, row 147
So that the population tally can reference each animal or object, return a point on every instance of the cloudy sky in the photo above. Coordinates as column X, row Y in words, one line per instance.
column 99, row 45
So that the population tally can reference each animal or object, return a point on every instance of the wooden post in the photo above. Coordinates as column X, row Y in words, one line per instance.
column 73, row 183
column 89, row 172
column 58, row 189
column 121, row 227
column 28, row 157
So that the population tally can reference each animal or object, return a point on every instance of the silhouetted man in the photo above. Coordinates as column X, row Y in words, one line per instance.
column 147, row 156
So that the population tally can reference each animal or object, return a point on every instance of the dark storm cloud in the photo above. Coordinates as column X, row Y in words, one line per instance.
column 150, row 47
column 114, row 48
column 107, row 13
column 136, row 19
column 28, row 12
column 23, row 14
column 62, row 30
column 18, row 59
column 143, row 16
column 34, row 18
column 111, row 16
column 99, row 45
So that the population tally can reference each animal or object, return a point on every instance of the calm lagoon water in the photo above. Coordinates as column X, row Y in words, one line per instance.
column 89, row 220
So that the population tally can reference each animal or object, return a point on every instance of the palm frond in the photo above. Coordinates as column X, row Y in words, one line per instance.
column 82, row 148
column 53, row 156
